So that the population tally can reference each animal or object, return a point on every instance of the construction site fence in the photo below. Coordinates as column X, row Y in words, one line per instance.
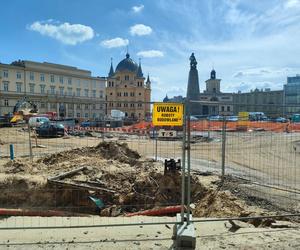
column 260, row 162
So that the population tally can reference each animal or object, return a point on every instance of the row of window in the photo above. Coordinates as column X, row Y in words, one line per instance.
column 53, row 90
column 132, row 105
column 125, row 94
column 61, row 79
column 223, row 108
column 70, row 106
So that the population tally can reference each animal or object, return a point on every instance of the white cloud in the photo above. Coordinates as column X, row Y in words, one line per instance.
column 140, row 30
column 138, row 8
column 292, row 3
column 150, row 53
column 64, row 32
column 115, row 42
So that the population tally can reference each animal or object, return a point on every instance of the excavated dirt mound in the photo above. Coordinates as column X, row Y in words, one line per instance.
column 111, row 173
column 106, row 150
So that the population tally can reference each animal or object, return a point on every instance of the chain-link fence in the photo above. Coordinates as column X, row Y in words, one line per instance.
column 89, row 171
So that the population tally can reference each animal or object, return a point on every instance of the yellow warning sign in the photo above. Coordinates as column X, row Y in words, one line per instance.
column 167, row 114
column 243, row 118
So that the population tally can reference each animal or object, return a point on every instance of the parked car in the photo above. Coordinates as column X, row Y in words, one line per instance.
column 281, row 119
column 5, row 121
column 50, row 129
column 37, row 121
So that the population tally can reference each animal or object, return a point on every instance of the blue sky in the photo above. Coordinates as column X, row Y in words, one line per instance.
column 251, row 44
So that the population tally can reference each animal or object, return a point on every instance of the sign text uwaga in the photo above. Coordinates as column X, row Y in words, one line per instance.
column 167, row 114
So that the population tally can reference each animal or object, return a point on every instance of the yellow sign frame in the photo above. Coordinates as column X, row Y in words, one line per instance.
column 167, row 114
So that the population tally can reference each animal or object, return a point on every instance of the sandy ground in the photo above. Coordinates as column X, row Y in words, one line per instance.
column 266, row 157
column 209, row 235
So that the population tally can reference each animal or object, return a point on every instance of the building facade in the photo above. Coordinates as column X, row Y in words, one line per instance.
column 69, row 91
column 292, row 95
column 270, row 102
column 127, row 90
column 214, row 102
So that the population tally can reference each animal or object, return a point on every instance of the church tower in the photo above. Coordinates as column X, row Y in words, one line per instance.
column 213, row 84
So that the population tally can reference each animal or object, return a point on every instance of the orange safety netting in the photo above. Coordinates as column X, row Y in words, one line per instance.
column 231, row 126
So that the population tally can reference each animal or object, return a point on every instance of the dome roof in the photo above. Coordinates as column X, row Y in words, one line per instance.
column 127, row 64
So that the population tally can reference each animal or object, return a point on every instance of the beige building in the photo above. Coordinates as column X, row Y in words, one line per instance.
column 69, row 91
column 127, row 90
column 212, row 93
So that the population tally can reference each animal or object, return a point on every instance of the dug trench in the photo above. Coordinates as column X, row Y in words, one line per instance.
column 108, row 180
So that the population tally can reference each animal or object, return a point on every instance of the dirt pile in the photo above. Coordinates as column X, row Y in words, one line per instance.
column 17, row 166
column 110, row 174
column 107, row 150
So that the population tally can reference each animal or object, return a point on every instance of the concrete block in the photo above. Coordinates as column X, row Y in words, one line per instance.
column 184, row 234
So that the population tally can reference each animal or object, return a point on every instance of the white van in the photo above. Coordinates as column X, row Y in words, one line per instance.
column 37, row 121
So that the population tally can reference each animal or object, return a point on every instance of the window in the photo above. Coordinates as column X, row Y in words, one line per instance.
column 6, row 102
column 78, row 106
column 94, row 106
column 5, row 73
column 5, row 86
column 78, row 115
column 222, row 108
column 119, row 104
column 101, row 94
column 111, row 104
column 77, row 92
column 94, row 115
column 31, row 88
column 42, row 77
column 52, row 90
column 69, row 91
column 125, row 104
column 43, row 105
column 94, row 93
column 125, row 94
column 86, row 93
column 61, row 90
column 86, row 115
column 131, row 93
column 132, row 105
column 31, row 76
column 140, row 93
column 52, row 78
column 53, row 105
column 42, row 86
column 69, row 80
column 126, row 78
column 228, row 108
column 78, row 82
column 140, row 105
column 19, row 76
column 61, row 79
column 86, row 106
column 110, row 93
column 19, row 87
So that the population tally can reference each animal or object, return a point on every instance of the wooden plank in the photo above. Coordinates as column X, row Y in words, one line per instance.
column 82, row 186
column 65, row 174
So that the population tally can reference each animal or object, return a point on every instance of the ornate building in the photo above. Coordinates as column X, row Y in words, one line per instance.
column 127, row 90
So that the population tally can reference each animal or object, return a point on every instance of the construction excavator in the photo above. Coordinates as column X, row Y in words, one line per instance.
column 23, row 110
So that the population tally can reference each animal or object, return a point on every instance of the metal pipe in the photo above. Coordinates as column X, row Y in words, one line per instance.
column 152, row 223
column 188, row 149
column 223, row 147
column 183, row 166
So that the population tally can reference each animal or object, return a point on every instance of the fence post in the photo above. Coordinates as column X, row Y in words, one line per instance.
column 29, row 142
column 223, row 146
column 11, row 151
column 156, row 138
column 183, row 165
column 188, row 148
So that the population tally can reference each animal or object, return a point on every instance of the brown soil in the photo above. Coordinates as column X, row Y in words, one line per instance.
column 133, row 184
